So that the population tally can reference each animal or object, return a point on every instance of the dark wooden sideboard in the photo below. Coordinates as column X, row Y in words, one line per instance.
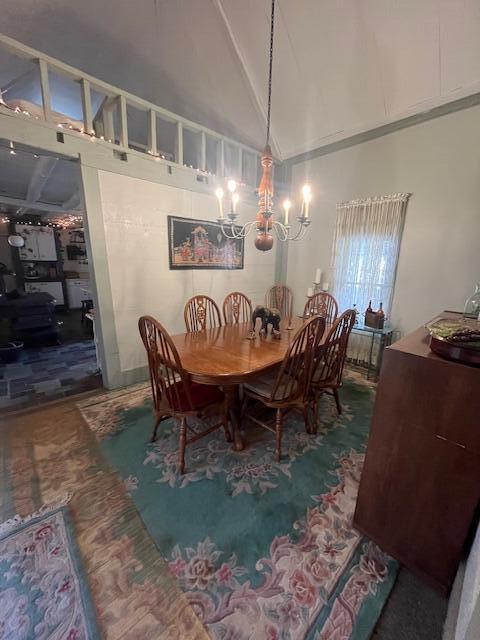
column 420, row 486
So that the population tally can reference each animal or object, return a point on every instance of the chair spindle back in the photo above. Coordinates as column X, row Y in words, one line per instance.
column 169, row 382
column 201, row 312
column 295, row 371
column 330, row 357
column 322, row 304
column 237, row 308
column 280, row 297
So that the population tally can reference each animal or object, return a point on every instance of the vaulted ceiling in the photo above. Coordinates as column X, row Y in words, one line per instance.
column 341, row 66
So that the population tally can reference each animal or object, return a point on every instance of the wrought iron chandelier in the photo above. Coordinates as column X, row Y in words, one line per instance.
column 264, row 223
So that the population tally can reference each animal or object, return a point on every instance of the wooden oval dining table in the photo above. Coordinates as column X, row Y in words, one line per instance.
column 226, row 357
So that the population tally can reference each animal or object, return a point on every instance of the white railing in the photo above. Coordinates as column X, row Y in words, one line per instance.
column 216, row 154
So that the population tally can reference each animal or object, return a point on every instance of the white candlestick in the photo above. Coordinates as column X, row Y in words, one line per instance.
column 286, row 205
column 219, row 194
column 235, row 199
column 318, row 276
column 309, row 292
column 325, row 286
column 307, row 197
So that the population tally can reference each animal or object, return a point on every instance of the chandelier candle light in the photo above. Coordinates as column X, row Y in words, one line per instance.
column 264, row 222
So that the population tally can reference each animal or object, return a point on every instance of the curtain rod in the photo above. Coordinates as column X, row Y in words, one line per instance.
column 403, row 197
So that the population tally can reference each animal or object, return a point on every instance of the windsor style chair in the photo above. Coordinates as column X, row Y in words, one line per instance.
column 287, row 387
column 321, row 304
column 201, row 312
column 175, row 395
column 329, row 360
column 237, row 308
column 280, row 297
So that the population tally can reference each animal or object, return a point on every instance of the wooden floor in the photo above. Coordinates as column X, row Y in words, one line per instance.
column 49, row 452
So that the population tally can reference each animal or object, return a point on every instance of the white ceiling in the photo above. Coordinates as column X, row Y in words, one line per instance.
column 35, row 183
column 341, row 66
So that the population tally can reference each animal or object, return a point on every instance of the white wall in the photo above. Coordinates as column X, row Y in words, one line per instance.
column 6, row 256
column 439, row 163
column 135, row 220
column 5, row 249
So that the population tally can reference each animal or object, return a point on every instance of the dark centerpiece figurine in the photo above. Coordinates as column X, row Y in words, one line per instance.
column 267, row 316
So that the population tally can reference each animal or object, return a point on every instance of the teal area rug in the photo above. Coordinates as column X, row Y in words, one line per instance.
column 43, row 592
column 262, row 550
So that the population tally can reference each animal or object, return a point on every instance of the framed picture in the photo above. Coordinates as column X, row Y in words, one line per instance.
column 197, row 244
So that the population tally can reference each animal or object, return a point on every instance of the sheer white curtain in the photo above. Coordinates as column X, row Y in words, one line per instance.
column 365, row 254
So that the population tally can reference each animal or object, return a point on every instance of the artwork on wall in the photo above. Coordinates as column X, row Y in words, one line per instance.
column 197, row 244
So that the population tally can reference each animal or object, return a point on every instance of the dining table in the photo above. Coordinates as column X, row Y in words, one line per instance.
column 229, row 356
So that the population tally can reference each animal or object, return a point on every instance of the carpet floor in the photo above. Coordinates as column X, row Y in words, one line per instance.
column 413, row 611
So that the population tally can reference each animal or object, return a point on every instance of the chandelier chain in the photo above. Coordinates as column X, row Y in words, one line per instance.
column 264, row 223
column 272, row 26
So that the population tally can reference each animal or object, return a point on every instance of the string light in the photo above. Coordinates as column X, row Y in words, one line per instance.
column 93, row 136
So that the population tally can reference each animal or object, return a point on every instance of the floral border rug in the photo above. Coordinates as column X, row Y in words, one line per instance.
column 43, row 591
column 261, row 549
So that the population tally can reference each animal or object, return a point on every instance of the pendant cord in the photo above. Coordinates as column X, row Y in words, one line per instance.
column 272, row 23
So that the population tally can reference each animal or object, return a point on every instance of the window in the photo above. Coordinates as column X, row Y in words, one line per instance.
column 365, row 251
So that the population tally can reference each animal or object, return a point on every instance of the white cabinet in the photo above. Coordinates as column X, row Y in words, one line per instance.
column 77, row 290
column 39, row 243
column 55, row 289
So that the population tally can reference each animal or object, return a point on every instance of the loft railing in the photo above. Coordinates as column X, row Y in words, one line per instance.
column 65, row 97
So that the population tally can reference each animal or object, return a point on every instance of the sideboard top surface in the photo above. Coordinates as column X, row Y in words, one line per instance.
column 417, row 343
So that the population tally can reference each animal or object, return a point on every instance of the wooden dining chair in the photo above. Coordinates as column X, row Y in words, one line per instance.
column 329, row 360
column 174, row 394
column 321, row 304
column 237, row 308
column 201, row 312
column 286, row 388
column 280, row 297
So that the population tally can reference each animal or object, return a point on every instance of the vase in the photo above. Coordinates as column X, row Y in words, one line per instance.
column 472, row 305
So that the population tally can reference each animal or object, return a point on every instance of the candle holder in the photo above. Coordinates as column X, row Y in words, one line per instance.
column 264, row 222
column 317, row 288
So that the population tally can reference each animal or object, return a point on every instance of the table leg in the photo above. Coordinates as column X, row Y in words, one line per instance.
column 370, row 356
column 233, row 397
column 385, row 342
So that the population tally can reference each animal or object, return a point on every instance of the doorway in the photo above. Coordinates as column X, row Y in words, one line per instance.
column 47, row 339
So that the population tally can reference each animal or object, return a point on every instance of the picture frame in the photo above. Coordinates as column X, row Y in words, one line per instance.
column 201, row 244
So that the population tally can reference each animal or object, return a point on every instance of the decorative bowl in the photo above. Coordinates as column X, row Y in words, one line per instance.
column 456, row 339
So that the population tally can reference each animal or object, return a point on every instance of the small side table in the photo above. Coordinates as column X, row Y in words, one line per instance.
column 384, row 336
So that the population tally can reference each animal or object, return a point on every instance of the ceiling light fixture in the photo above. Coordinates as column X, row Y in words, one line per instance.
column 264, row 223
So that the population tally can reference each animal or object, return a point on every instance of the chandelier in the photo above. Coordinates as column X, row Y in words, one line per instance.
column 264, row 223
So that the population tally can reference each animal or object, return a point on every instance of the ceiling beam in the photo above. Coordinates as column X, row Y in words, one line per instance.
column 39, row 178
column 257, row 102
column 38, row 206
